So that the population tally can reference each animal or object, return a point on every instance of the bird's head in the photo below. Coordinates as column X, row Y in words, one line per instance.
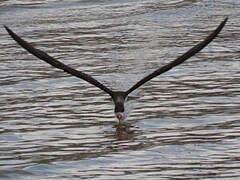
column 119, row 110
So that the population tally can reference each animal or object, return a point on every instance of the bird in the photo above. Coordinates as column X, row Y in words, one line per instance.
column 118, row 97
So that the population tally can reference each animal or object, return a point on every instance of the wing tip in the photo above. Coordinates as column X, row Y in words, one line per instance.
column 8, row 30
column 6, row 27
column 225, row 20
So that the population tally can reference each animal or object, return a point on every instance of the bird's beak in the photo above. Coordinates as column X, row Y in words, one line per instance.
column 120, row 116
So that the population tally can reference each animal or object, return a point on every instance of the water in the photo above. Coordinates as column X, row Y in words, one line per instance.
column 182, row 125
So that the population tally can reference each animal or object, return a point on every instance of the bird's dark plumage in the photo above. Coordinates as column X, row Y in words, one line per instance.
column 117, row 96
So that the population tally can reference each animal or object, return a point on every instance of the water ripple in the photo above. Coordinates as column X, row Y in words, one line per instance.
column 181, row 125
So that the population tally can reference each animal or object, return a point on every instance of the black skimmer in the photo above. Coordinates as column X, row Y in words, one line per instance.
column 119, row 97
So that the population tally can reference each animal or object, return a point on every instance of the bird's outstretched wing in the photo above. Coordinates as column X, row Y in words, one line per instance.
column 180, row 59
column 52, row 61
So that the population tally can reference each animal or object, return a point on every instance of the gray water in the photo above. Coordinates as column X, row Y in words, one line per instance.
column 183, row 124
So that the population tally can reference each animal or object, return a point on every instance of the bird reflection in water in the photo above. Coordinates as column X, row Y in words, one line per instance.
column 124, row 131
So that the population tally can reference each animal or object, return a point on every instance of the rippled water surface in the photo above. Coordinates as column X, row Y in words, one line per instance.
column 183, row 124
